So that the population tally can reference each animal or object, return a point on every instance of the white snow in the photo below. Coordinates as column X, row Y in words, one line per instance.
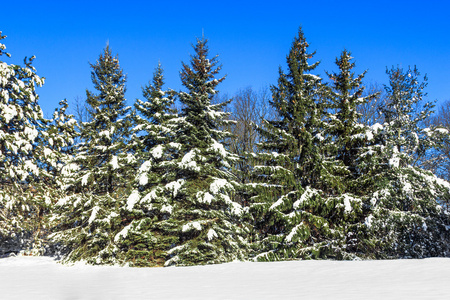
column 188, row 161
column 175, row 186
column 30, row 166
column 114, row 162
column 377, row 126
column 152, row 195
column 191, row 225
column 47, row 152
column 218, row 148
column 369, row 135
column 277, row 203
column 293, row 232
column 84, row 179
column 394, row 161
column 69, row 168
column 40, row 278
column 319, row 137
column 211, row 234
column 8, row 113
column 309, row 192
column 145, row 167
column 205, row 197
column 280, row 201
column 31, row 133
column 143, row 179
column 407, row 188
column 442, row 130
column 123, row 233
column 167, row 209
column 132, row 200
column 218, row 184
column 368, row 221
column 93, row 214
column 104, row 133
column 157, row 152
column 348, row 202
column 315, row 77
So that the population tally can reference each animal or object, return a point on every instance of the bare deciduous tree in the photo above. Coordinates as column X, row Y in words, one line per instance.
column 247, row 110
column 81, row 110
column 440, row 165
column 370, row 111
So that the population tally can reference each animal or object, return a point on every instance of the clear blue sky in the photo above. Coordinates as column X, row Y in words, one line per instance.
column 252, row 39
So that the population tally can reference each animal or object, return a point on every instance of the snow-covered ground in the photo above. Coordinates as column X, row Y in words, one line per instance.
column 43, row 278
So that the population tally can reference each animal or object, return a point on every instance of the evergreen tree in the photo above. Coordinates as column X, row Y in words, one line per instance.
column 60, row 134
column 407, row 217
column 349, row 136
column 145, row 238
column 156, row 110
column 104, row 137
column 55, row 144
column 204, row 216
column 97, row 178
column 405, row 113
column 289, row 207
column 350, row 150
column 23, row 202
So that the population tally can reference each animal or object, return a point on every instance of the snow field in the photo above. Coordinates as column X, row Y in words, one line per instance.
column 42, row 278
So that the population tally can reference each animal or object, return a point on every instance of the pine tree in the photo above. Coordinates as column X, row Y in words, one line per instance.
column 407, row 217
column 97, row 178
column 55, row 149
column 156, row 110
column 105, row 136
column 58, row 145
column 289, row 206
column 144, row 240
column 404, row 114
column 204, row 216
column 23, row 202
column 349, row 151
column 349, row 135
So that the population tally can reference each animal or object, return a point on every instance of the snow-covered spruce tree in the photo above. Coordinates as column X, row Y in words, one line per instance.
column 349, row 136
column 54, row 151
column 22, row 180
column 351, row 148
column 205, row 217
column 156, row 110
column 407, row 217
column 58, row 142
column 404, row 113
column 289, row 208
column 98, row 176
column 146, row 236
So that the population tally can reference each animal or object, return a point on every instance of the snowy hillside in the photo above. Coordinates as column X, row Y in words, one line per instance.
column 42, row 278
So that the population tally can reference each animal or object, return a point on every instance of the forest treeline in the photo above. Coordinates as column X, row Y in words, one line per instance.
column 312, row 168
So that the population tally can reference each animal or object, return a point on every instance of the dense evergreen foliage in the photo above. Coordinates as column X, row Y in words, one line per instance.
column 407, row 218
column 97, row 178
column 161, row 186
column 27, row 162
column 147, row 235
column 292, row 164
column 205, row 215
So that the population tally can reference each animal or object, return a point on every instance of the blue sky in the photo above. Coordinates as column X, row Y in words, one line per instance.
column 252, row 39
